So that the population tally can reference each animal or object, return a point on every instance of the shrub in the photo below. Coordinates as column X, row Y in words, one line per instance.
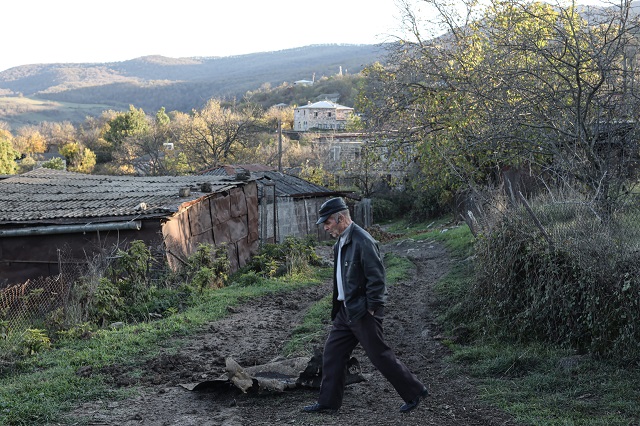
column 34, row 340
column 80, row 331
column 56, row 163
column 130, row 272
column 208, row 267
column 248, row 279
column 292, row 256
column 106, row 304
column 391, row 205
column 576, row 284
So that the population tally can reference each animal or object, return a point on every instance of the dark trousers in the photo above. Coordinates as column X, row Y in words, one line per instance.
column 342, row 340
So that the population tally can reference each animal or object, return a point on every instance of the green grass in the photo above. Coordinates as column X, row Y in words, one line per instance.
column 397, row 268
column 527, row 381
column 312, row 331
column 456, row 237
column 41, row 388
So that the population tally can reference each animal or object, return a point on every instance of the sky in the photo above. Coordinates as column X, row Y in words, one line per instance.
column 79, row 31
column 90, row 31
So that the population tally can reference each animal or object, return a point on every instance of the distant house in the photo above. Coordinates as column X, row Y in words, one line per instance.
column 288, row 205
column 349, row 155
column 322, row 115
column 50, row 219
column 303, row 83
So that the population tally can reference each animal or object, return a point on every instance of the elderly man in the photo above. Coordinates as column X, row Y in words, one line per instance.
column 359, row 293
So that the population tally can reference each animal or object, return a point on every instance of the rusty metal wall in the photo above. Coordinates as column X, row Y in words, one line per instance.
column 229, row 217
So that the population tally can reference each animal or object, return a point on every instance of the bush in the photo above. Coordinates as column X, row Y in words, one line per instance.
column 292, row 256
column 106, row 304
column 248, row 279
column 430, row 204
column 34, row 340
column 122, row 287
column 208, row 267
column 576, row 284
column 416, row 205
column 130, row 272
column 391, row 205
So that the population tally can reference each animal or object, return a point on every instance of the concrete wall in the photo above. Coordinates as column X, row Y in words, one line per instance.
column 293, row 217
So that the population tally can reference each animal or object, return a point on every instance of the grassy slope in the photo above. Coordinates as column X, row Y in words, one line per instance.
column 539, row 385
column 19, row 111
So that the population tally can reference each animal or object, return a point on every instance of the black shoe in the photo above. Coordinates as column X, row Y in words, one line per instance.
column 318, row 408
column 410, row 405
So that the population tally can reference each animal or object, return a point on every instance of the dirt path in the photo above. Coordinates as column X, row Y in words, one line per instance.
column 254, row 334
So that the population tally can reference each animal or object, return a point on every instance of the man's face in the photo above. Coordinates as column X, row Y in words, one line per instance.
column 332, row 226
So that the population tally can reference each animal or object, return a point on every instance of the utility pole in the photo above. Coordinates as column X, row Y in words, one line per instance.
column 280, row 145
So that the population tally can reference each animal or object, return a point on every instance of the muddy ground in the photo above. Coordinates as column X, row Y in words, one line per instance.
column 255, row 332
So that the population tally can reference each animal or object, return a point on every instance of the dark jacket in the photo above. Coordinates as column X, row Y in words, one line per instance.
column 363, row 275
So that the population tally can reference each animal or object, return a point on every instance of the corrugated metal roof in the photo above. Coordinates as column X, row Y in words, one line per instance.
column 232, row 169
column 286, row 185
column 290, row 186
column 54, row 195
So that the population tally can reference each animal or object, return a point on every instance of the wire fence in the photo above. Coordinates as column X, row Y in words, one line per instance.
column 570, row 222
column 35, row 303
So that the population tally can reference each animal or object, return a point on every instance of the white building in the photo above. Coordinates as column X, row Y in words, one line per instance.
column 323, row 115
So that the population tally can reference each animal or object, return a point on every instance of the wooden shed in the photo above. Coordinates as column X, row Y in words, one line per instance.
column 49, row 218
column 288, row 205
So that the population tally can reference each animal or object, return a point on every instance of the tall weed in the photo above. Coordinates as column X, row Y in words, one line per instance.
column 573, row 279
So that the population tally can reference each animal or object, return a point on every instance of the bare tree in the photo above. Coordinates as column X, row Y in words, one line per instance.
column 211, row 135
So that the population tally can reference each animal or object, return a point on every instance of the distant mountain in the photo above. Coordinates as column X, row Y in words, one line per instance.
column 152, row 82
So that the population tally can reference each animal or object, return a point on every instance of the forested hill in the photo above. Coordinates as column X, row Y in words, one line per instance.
column 153, row 82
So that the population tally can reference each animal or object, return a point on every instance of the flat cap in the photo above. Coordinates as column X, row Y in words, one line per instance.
column 329, row 207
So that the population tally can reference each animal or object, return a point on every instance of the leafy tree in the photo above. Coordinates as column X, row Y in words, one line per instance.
column 79, row 159
column 57, row 134
column 29, row 140
column 132, row 123
column 317, row 175
column 155, row 152
column 162, row 119
column 275, row 114
column 90, row 134
column 56, row 163
column 514, row 84
column 8, row 155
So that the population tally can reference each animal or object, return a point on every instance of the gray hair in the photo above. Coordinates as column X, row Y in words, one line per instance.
column 344, row 213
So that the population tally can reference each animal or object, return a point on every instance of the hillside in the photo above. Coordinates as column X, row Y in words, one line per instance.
column 69, row 90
